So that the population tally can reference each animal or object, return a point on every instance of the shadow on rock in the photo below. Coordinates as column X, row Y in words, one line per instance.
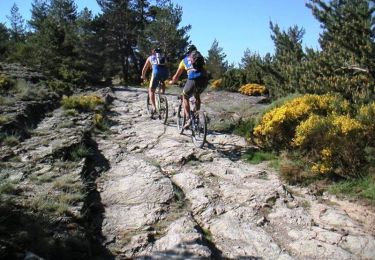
column 93, row 208
column 24, row 233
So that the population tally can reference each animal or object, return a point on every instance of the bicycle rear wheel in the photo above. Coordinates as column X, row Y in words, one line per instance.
column 199, row 129
column 180, row 119
column 163, row 109
column 148, row 104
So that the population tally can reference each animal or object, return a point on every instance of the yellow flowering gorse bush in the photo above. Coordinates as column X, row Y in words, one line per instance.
column 321, row 168
column 323, row 129
column 277, row 126
column 252, row 89
column 84, row 102
column 347, row 125
column 366, row 116
column 216, row 84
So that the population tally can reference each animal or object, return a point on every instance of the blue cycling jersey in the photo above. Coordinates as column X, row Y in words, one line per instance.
column 158, row 63
column 192, row 73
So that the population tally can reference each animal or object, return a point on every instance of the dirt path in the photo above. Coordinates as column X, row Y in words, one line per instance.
column 164, row 198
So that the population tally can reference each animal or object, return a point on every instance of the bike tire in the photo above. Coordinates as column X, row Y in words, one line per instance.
column 148, row 105
column 163, row 109
column 180, row 119
column 199, row 131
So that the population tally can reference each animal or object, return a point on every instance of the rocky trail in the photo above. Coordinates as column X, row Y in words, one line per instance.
column 165, row 199
column 143, row 191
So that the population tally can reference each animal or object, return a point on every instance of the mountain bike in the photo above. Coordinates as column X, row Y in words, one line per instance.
column 198, row 121
column 161, row 104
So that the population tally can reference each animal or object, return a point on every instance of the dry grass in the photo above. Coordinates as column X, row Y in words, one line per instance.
column 293, row 171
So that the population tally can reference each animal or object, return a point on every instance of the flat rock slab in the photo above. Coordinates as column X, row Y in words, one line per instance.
column 164, row 198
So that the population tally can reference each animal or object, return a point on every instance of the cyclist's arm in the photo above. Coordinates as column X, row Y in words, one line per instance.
column 145, row 68
column 180, row 70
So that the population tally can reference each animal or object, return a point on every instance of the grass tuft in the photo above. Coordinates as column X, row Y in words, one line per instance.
column 256, row 157
column 10, row 140
column 245, row 128
column 80, row 152
column 8, row 188
column 363, row 188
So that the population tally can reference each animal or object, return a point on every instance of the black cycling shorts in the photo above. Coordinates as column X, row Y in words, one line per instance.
column 195, row 86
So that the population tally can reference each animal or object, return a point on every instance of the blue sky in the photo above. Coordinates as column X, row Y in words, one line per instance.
column 235, row 24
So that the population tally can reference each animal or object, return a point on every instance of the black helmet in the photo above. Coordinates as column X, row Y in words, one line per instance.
column 190, row 48
column 157, row 50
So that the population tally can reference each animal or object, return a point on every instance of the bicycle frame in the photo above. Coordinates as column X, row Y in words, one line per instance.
column 198, row 124
column 159, row 99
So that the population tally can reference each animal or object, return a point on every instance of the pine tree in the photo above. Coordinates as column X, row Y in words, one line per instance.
column 39, row 13
column 123, row 21
column 254, row 67
column 284, row 72
column 163, row 30
column 345, row 64
column 17, row 25
column 90, row 46
column 4, row 41
column 63, row 12
column 56, row 41
column 216, row 64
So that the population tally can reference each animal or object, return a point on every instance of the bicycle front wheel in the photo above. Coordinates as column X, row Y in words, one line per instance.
column 199, row 129
column 163, row 109
column 180, row 119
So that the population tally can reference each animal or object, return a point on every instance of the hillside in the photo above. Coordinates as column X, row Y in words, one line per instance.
column 138, row 189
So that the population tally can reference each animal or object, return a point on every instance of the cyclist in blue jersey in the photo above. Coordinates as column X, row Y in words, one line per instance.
column 197, row 79
column 158, row 63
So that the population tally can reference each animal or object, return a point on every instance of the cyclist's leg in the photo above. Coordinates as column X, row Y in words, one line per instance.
column 153, row 85
column 163, row 77
column 189, row 89
column 201, row 85
column 162, row 87
column 198, row 101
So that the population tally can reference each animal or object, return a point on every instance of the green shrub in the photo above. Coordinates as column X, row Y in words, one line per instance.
column 366, row 115
column 245, row 128
column 73, row 76
column 60, row 87
column 233, row 79
column 6, row 83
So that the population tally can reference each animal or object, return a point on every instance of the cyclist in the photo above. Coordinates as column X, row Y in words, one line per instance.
column 197, row 79
column 158, row 63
